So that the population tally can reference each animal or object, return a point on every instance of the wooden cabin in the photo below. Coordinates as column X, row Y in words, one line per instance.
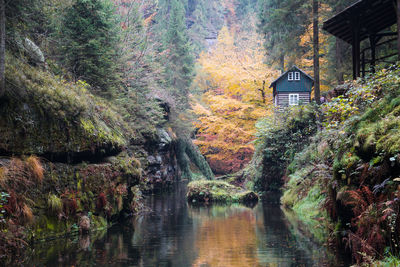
column 292, row 88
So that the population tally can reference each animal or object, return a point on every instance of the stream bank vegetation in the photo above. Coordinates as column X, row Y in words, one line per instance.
column 92, row 116
column 343, row 180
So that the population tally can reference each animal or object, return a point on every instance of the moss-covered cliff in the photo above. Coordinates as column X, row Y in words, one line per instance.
column 45, row 115
column 69, row 160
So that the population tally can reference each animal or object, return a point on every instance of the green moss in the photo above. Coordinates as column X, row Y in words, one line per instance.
column 50, row 115
column 98, row 222
column 388, row 261
column 294, row 187
column 310, row 211
column 218, row 191
column 48, row 227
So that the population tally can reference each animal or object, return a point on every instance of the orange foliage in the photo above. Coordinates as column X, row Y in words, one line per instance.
column 367, row 236
column 35, row 167
column 231, row 76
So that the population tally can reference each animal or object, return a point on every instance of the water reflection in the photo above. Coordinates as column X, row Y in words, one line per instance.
column 177, row 234
column 226, row 236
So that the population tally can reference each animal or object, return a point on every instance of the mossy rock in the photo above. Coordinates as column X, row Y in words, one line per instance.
column 45, row 115
column 205, row 191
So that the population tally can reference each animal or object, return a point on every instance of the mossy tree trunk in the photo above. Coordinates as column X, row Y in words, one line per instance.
column 2, row 46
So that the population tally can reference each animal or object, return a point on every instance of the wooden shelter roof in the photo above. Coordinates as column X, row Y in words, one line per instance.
column 373, row 16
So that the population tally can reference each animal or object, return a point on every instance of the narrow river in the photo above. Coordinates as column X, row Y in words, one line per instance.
column 177, row 234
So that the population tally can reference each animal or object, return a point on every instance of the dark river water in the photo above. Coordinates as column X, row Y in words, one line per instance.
column 177, row 234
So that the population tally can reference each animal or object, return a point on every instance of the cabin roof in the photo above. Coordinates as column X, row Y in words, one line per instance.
column 373, row 16
column 291, row 69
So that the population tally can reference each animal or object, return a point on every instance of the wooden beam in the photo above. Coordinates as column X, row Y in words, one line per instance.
column 373, row 41
column 363, row 64
column 356, row 47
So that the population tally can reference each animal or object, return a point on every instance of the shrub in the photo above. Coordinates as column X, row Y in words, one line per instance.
column 280, row 137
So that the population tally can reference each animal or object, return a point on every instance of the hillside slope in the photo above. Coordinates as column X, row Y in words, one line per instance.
column 345, row 182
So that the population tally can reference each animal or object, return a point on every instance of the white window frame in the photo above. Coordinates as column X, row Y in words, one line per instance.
column 297, row 76
column 290, row 76
column 293, row 99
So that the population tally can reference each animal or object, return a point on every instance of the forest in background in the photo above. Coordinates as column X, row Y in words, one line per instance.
column 102, row 100
column 212, row 62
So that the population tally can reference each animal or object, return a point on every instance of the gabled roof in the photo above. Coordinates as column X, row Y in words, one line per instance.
column 291, row 69
column 373, row 16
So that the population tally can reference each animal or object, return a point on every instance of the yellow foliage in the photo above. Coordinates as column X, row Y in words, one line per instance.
column 232, row 76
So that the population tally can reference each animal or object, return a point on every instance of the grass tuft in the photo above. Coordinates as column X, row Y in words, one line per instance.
column 54, row 204
column 36, row 168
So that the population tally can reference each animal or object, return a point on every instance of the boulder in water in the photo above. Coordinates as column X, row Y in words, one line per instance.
column 84, row 225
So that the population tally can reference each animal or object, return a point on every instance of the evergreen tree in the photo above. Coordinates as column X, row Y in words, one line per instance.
column 90, row 34
column 179, row 60
column 244, row 7
column 282, row 22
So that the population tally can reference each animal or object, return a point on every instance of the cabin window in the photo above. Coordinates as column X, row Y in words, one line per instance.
column 293, row 99
column 290, row 76
column 297, row 76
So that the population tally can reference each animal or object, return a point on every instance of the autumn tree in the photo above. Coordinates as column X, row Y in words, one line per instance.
column 231, row 77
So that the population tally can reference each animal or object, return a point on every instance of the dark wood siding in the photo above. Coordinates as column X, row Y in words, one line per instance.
column 283, row 98
column 304, row 85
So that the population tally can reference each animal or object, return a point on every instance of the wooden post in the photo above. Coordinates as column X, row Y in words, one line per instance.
column 2, row 47
column 356, row 48
column 372, row 40
column 363, row 65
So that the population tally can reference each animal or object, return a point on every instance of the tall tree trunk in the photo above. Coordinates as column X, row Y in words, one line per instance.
column 317, row 93
column 398, row 27
column 2, row 47
column 282, row 63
